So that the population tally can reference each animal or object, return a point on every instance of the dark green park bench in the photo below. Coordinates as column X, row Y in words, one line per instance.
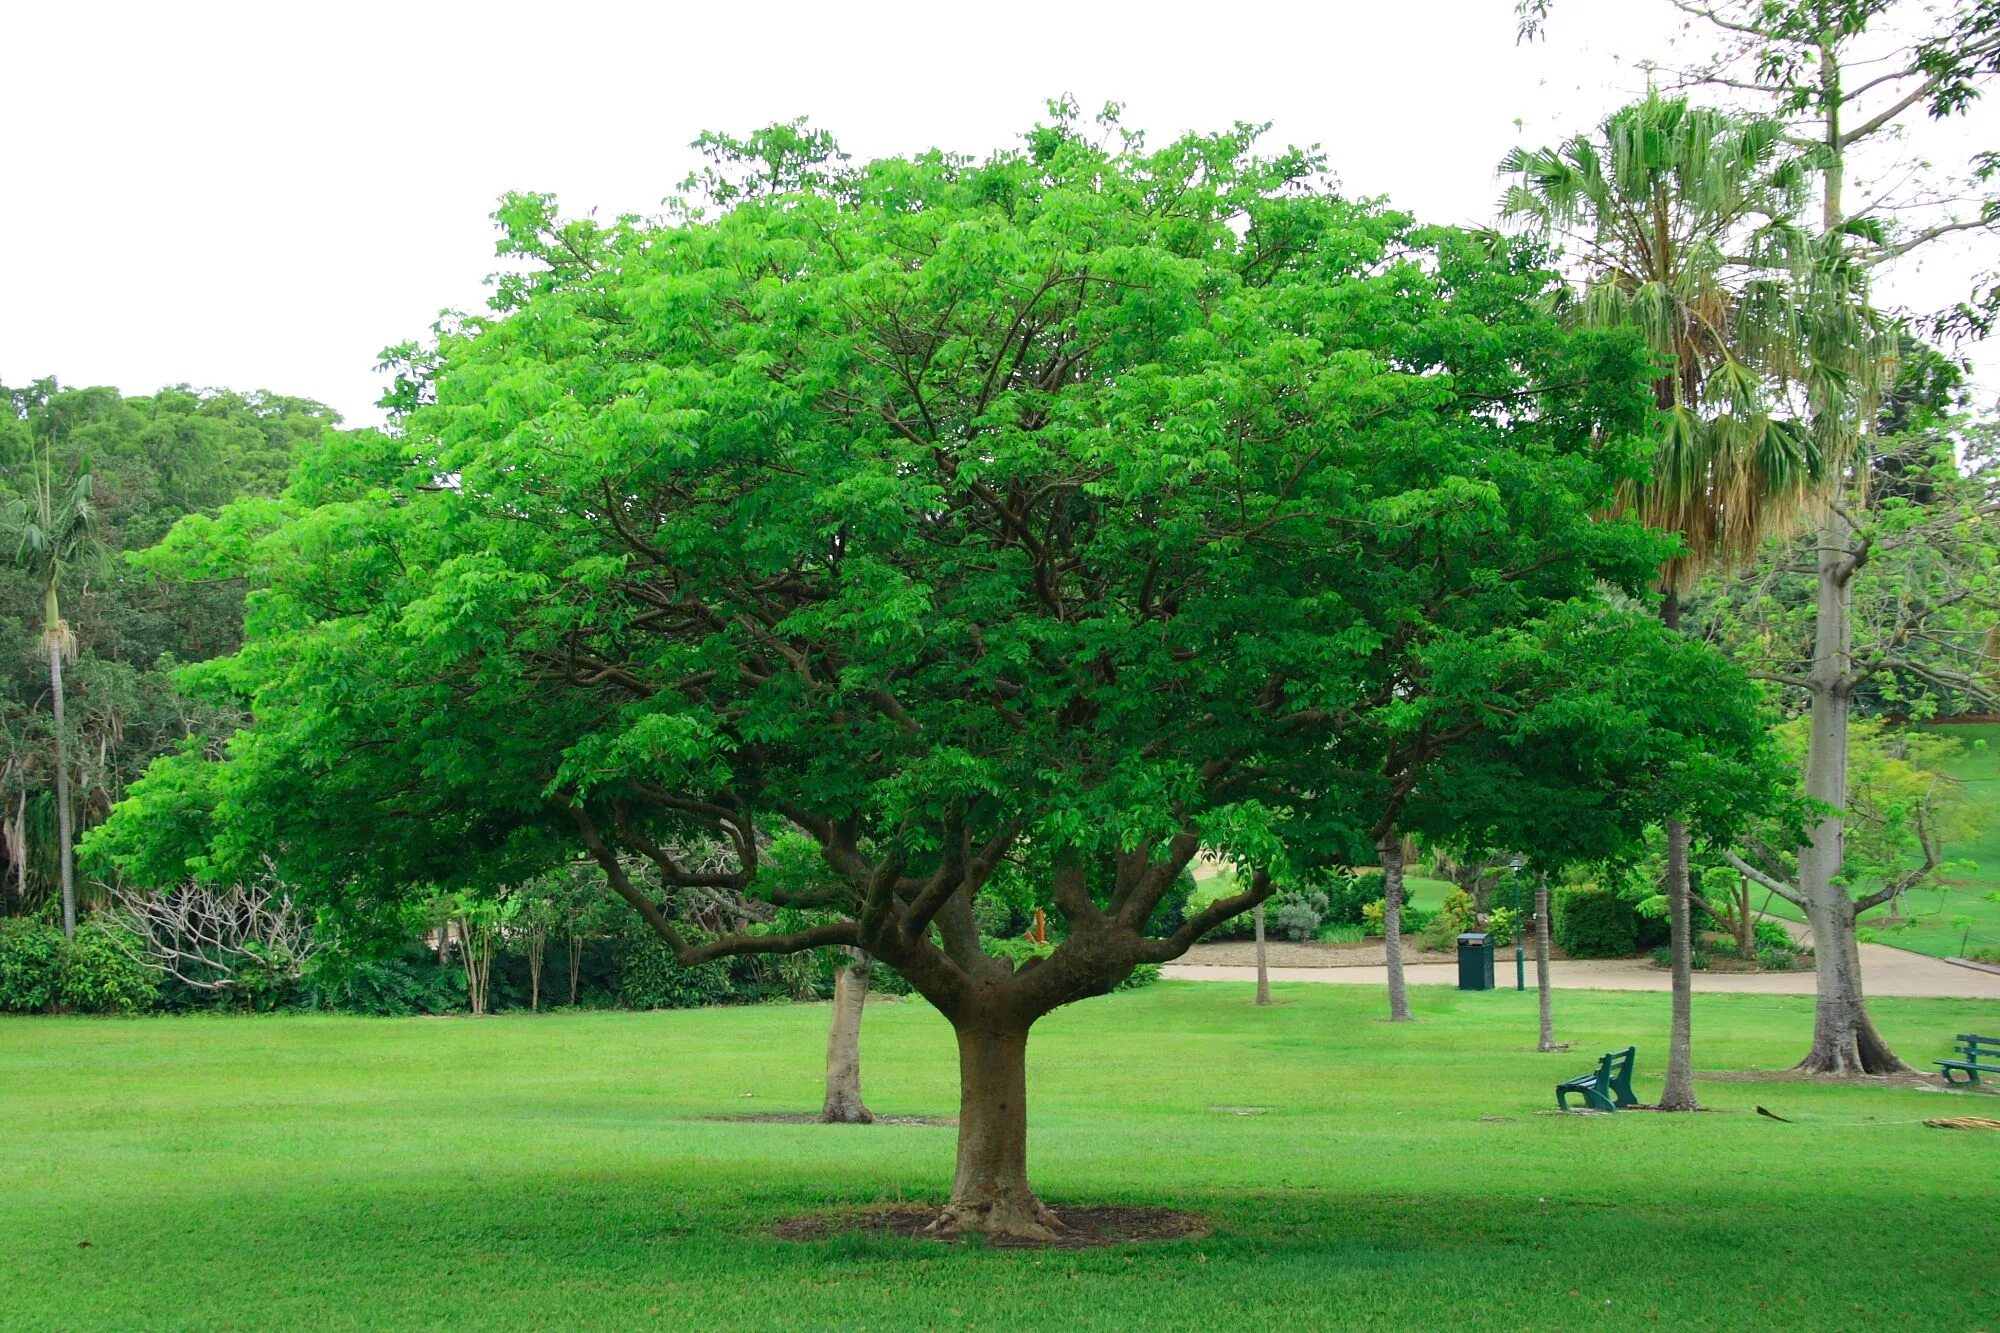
column 1607, row 1087
column 1972, row 1047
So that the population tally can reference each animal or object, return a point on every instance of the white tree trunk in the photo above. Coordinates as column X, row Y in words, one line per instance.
column 843, row 1104
column 1390, row 849
column 1548, row 1037
column 1263, row 972
column 1844, row 1040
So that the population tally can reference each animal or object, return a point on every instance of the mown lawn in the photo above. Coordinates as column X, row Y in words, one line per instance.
column 554, row 1171
column 1957, row 915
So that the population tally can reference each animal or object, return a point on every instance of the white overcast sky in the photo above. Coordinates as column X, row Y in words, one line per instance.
column 264, row 195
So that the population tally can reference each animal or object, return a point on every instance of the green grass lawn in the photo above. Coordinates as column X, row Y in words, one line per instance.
column 553, row 1171
column 1929, row 913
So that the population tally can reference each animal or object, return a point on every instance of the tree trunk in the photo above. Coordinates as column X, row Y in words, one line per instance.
column 1263, row 972
column 1679, row 1092
column 1548, row 1038
column 989, row 1191
column 1746, row 926
column 843, row 1043
column 1390, row 849
column 538, row 941
column 66, row 858
column 575, row 943
column 1844, row 1040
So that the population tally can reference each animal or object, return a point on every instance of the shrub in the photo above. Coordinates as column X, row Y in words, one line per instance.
column 41, row 972
column 1344, row 932
column 1697, row 960
column 1414, row 918
column 1298, row 913
column 1170, row 913
column 1590, row 921
column 1348, row 895
column 1984, row 954
column 412, row 982
column 1771, row 935
column 1776, row 960
column 31, row 955
column 1502, row 924
column 649, row 978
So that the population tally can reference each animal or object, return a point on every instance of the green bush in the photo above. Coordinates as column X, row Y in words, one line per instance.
column 41, row 972
column 1502, row 925
column 649, row 978
column 1589, row 921
column 1345, row 932
column 1776, row 960
column 1295, row 914
column 1347, row 894
column 31, row 958
column 1697, row 958
column 1415, row 919
column 412, row 982
column 1771, row 935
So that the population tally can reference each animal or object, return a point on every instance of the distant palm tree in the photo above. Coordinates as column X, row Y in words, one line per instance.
column 50, row 529
column 1683, row 219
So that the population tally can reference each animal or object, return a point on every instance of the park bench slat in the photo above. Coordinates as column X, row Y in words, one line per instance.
column 1971, row 1046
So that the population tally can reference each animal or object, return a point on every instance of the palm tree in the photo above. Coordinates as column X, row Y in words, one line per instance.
column 50, row 529
column 1683, row 220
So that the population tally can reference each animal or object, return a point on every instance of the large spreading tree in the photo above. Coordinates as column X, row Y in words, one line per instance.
column 1057, row 509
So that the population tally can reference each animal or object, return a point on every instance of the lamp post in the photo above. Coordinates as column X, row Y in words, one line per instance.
column 1520, row 923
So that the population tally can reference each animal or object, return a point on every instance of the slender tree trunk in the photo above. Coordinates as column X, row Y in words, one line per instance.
column 64, row 830
column 575, row 943
column 1263, row 972
column 1746, row 927
column 1390, row 850
column 538, row 941
column 843, row 1043
column 1679, row 1092
column 1844, row 1040
column 990, row 1193
column 1548, row 1039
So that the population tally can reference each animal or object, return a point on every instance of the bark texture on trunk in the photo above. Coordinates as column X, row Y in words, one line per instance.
column 1844, row 1040
column 1679, row 1092
column 1548, row 1036
column 1390, row 849
column 843, row 1104
column 989, row 1190
column 1263, row 972
column 64, row 830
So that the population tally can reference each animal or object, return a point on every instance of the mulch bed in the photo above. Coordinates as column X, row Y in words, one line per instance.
column 807, row 1118
column 1082, row 1228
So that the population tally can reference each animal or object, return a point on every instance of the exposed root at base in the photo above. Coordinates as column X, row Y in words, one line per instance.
column 1075, row 1229
column 1022, row 1221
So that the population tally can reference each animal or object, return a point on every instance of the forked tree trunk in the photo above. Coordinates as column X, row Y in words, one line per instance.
column 575, row 943
column 1679, row 1092
column 1263, row 972
column 1548, row 1036
column 1844, row 1040
column 990, row 1193
column 1390, row 849
column 843, row 1104
column 66, row 858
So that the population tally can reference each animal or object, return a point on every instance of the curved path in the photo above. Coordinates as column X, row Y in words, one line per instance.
column 1884, row 971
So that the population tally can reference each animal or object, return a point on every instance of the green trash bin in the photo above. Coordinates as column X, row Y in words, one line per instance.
column 1475, row 960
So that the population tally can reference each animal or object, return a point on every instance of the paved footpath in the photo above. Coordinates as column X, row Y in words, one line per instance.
column 1884, row 971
